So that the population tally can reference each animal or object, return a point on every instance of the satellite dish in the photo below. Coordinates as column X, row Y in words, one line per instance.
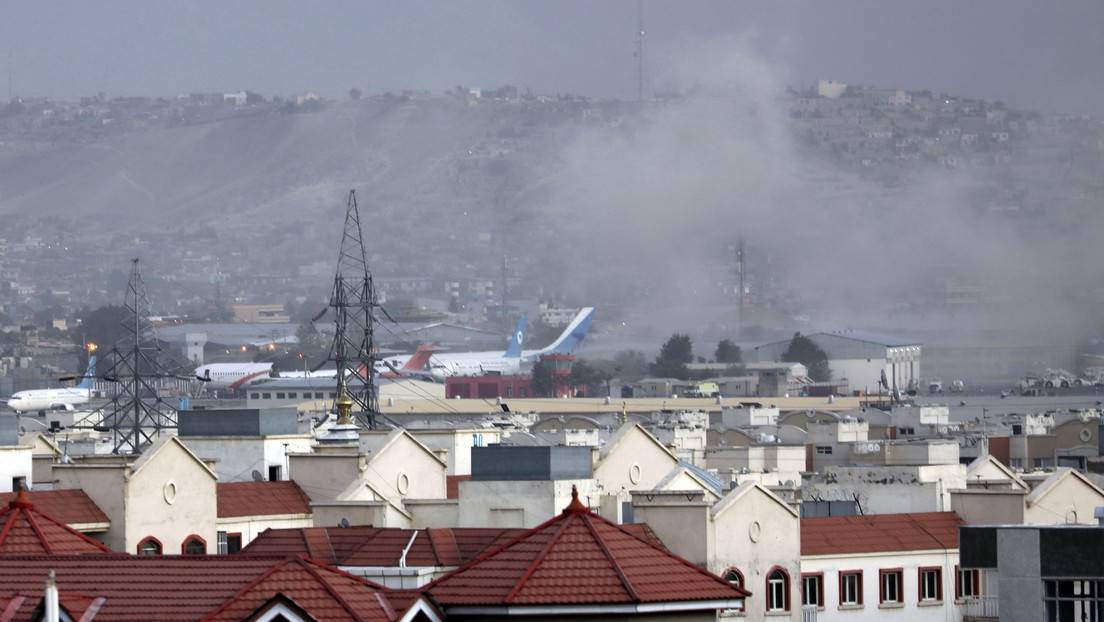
column 257, row 477
column 344, row 524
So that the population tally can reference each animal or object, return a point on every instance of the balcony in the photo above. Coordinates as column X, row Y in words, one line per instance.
column 980, row 609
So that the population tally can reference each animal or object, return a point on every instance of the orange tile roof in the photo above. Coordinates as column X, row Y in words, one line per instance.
column 579, row 558
column 70, row 506
column 27, row 531
column 189, row 588
column 877, row 533
column 261, row 499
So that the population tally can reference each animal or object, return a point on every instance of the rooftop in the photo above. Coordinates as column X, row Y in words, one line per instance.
column 879, row 533
column 261, row 499
column 580, row 558
column 70, row 506
column 28, row 531
column 189, row 587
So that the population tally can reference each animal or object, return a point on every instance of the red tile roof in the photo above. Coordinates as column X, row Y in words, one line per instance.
column 877, row 533
column 376, row 546
column 72, row 507
column 189, row 588
column 261, row 499
column 579, row 558
column 24, row 530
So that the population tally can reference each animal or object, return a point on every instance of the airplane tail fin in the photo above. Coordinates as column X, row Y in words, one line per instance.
column 419, row 359
column 517, row 340
column 573, row 335
column 90, row 375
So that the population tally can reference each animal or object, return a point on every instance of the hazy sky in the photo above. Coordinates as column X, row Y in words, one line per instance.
column 1032, row 54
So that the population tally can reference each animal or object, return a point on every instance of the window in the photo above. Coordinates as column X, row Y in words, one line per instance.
column 889, row 586
column 19, row 483
column 149, row 546
column 824, row 450
column 221, row 543
column 233, row 543
column 967, row 582
column 1072, row 600
column 333, row 395
column 194, row 545
column 280, row 396
column 254, row 396
column 318, row 395
column 477, row 439
column 273, row 472
column 931, row 584
column 850, row 588
column 266, row 396
column 292, row 395
column 778, row 590
column 812, row 589
column 735, row 577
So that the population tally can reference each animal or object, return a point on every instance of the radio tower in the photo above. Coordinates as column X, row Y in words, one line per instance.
column 137, row 414
column 353, row 301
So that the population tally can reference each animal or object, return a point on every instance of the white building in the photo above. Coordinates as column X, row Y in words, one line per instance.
column 885, row 567
column 860, row 357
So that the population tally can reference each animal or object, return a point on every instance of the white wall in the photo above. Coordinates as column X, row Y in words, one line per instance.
column 237, row 456
column 519, row 503
column 909, row 562
column 15, row 461
column 251, row 527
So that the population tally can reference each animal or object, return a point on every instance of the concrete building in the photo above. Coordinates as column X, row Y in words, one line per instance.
column 884, row 567
column 247, row 509
column 569, row 430
column 859, row 357
column 1032, row 573
column 244, row 444
column 456, row 444
column 158, row 503
column 888, row 489
column 379, row 481
column 750, row 537
column 16, row 459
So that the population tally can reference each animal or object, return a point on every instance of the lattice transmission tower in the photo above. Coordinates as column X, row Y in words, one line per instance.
column 137, row 414
column 353, row 303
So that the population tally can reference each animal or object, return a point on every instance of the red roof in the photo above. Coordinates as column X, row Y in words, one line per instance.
column 179, row 588
column 877, row 533
column 72, row 507
column 376, row 546
column 261, row 499
column 27, row 531
column 579, row 558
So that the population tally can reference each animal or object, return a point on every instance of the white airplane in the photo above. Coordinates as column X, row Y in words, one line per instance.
column 509, row 362
column 232, row 375
column 56, row 399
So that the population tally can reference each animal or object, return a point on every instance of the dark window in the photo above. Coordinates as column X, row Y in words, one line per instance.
column 889, row 585
column 735, row 577
column 1073, row 600
column 274, row 473
column 149, row 546
column 19, row 483
column 280, row 396
column 850, row 587
column 824, row 450
column 318, row 395
column 233, row 542
column 292, row 395
column 778, row 590
column 931, row 584
column 254, row 396
column 266, row 396
column 967, row 583
column 812, row 590
column 194, row 545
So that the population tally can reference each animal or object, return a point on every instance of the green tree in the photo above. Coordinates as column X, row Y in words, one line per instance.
column 673, row 358
column 728, row 352
column 590, row 376
column 803, row 350
column 542, row 384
